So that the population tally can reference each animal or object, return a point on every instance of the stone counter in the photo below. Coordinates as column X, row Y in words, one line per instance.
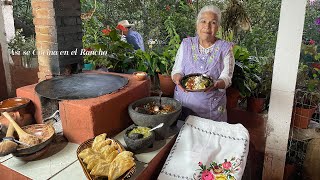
column 86, row 118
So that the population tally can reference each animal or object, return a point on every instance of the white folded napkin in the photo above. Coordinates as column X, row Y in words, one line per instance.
column 202, row 142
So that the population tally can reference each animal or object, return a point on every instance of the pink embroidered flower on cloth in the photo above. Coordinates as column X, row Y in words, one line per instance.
column 207, row 175
column 226, row 165
column 222, row 171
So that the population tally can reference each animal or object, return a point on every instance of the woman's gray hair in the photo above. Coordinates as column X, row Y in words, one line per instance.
column 210, row 8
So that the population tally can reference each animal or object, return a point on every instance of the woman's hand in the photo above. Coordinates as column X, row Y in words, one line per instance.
column 176, row 78
column 218, row 84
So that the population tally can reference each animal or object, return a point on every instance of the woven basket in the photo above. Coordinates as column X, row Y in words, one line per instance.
column 88, row 144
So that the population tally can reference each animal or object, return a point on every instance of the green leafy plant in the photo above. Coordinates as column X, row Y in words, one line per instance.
column 308, row 82
column 264, row 71
column 146, row 61
column 117, row 55
column 21, row 45
column 167, row 58
column 309, row 53
column 245, row 76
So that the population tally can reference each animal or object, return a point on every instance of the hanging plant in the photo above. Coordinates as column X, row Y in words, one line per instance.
column 235, row 17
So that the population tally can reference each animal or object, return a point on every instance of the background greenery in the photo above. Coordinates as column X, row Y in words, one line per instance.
column 149, row 15
column 163, row 24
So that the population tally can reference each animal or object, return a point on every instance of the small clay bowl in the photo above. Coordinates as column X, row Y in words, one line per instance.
column 13, row 104
column 138, row 144
column 140, row 75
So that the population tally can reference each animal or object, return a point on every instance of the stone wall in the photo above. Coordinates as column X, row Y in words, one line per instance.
column 69, row 32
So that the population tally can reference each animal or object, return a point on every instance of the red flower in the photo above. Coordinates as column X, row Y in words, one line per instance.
column 120, row 27
column 200, row 163
column 106, row 31
column 226, row 165
column 87, row 49
column 189, row 2
column 311, row 42
column 207, row 175
column 167, row 7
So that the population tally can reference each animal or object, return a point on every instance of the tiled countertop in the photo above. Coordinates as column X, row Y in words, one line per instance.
column 60, row 161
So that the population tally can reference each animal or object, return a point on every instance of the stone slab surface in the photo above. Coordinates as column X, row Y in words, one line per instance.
column 47, row 166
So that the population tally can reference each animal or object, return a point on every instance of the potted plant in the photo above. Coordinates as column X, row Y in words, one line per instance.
column 307, row 96
column 167, row 58
column 244, row 76
column 261, row 92
column 146, row 61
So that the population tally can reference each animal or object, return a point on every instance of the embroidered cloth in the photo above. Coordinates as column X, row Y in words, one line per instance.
column 202, row 142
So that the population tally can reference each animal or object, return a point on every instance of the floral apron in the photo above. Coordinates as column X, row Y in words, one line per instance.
column 211, row 105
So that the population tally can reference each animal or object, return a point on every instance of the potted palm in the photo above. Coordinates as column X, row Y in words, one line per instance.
column 307, row 95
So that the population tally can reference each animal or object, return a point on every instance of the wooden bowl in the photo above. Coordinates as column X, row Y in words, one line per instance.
column 13, row 104
column 140, row 75
column 44, row 131
column 33, row 156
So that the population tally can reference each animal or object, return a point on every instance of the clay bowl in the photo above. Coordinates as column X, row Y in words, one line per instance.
column 13, row 104
column 140, row 75
column 44, row 131
column 135, row 144
column 33, row 156
column 147, row 120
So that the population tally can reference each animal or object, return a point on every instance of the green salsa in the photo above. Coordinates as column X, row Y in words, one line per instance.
column 141, row 130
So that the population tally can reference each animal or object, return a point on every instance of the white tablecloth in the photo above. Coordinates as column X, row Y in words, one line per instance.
column 207, row 141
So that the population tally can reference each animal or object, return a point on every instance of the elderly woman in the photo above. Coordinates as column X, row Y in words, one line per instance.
column 208, row 55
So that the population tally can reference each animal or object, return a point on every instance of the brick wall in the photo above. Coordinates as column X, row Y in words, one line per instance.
column 58, row 33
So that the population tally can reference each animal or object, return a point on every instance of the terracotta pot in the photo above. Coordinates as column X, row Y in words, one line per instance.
column 255, row 104
column 17, row 60
column 166, row 85
column 301, row 116
column 233, row 95
column 289, row 171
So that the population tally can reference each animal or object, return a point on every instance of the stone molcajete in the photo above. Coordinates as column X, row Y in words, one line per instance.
column 142, row 118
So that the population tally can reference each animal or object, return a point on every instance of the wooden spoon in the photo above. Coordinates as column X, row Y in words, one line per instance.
column 6, row 146
column 23, row 136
